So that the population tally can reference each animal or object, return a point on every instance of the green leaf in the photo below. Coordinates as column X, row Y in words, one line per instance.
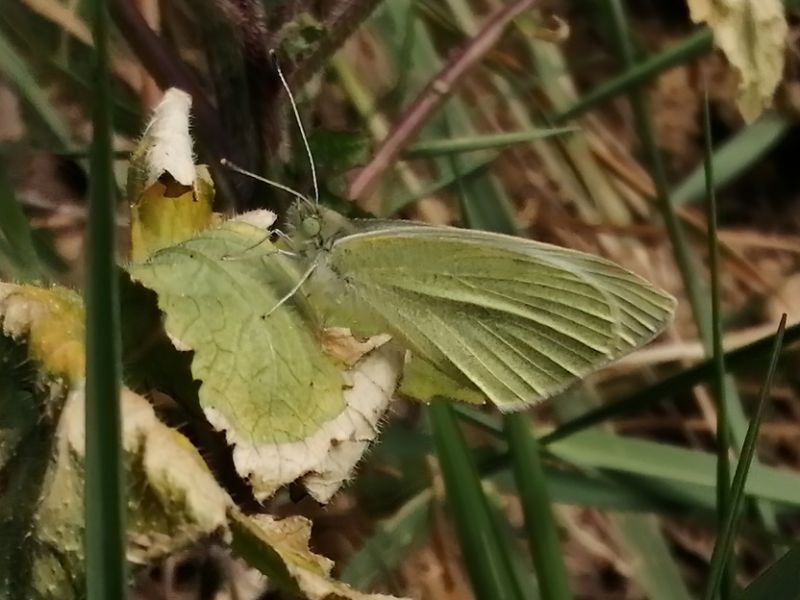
column 735, row 156
column 481, row 142
column 678, row 467
column 270, row 376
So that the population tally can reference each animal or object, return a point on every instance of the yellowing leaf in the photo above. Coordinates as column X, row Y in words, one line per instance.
column 52, row 320
column 752, row 34
column 173, row 499
column 170, row 197
column 168, row 213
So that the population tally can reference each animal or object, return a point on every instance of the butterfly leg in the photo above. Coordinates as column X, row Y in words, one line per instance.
column 294, row 289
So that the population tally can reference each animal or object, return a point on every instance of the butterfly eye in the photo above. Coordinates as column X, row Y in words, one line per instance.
column 311, row 226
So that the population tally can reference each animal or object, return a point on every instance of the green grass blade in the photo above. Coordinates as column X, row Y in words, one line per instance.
column 488, row 564
column 476, row 167
column 587, row 488
column 9, row 262
column 16, row 230
column 673, row 465
column 781, row 581
column 723, row 435
column 734, row 157
column 389, row 543
column 608, row 492
column 655, row 567
column 540, row 524
column 13, row 66
column 723, row 429
column 679, row 467
column 104, row 510
column 682, row 252
column 661, row 390
column 695, row 45
column 481, row 142
column 520, row 565
column 723, row 548
column 69, row 71
column 409, row 525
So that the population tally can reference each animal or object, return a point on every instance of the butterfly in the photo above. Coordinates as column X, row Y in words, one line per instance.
column 271, row 319
column 519, row 320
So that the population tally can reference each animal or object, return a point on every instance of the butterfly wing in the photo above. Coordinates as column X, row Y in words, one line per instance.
column 521, row 320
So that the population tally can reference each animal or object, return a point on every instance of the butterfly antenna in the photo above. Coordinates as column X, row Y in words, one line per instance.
column 299, row 122
column 234, row 167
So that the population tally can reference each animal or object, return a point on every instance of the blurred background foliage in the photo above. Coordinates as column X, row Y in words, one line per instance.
column 443, row 111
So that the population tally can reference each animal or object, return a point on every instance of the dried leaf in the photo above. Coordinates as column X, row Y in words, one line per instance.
column 289, row 539
column 752, row 34
column 340, row 344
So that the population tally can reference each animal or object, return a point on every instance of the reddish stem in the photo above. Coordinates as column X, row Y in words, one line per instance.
column 434, row 95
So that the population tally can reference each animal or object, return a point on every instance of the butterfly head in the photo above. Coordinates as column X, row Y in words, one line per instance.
column 314, row 225
column 311, row 226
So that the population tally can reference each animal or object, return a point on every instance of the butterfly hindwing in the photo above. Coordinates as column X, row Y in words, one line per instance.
column 521, row 320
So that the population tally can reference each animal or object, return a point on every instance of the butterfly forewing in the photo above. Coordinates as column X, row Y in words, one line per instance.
column 521, row 320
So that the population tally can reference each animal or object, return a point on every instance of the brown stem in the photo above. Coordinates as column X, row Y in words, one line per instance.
column 434, row 95
column 340, row 21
